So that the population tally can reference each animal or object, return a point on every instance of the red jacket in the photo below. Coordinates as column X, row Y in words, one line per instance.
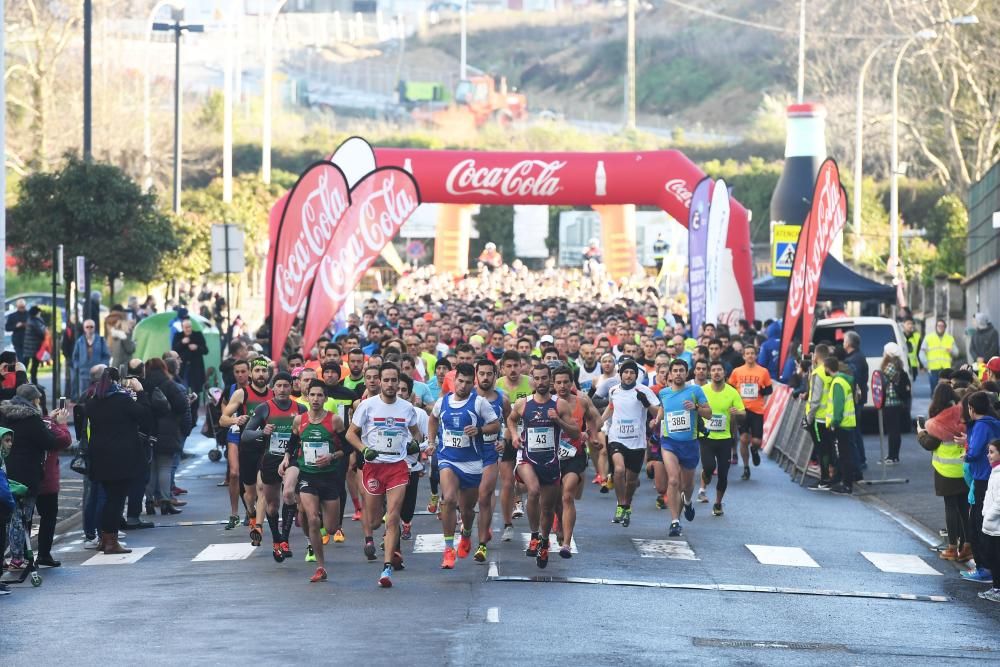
column 50, row 473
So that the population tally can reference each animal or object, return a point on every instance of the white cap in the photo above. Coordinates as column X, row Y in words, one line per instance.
column 546, row 339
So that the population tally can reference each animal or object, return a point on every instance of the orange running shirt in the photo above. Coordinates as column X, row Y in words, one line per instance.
column 750, row 384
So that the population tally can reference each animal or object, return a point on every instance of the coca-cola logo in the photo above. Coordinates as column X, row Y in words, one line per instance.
column 527, row 178
column 313, row 212
column 679, row 189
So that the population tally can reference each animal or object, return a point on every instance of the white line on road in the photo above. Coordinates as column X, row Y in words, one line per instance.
column 676, row 549
column 493, row 615
column 788, row 556
column 212, row 552
column 119, row 559
column 900, row 563
column 493, row 571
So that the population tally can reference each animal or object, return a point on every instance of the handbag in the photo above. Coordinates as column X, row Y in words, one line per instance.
column 79, row 464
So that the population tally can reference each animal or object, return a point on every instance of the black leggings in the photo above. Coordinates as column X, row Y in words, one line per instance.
column 435, row 475
column 116, row 491
column 891, row 416
column 410, row 499
column 33, row 366
column 956, row 516
column 976, row 537
column 715, row 456
column 47, row 506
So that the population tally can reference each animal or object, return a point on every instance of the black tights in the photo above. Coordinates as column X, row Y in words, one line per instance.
column 116, row 491
column 956, row 516
column 410, row 499
column 715, row 455
column 47, row 506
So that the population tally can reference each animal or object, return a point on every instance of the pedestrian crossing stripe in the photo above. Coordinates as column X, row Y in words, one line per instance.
column 553, row 542
column 675, row 549
column 119, row 559
column 900, row 563
column 787, row 556
column 231, row 551
column 428, row 544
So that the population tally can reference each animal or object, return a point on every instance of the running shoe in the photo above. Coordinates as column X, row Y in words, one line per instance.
column 627, row 518
column 993, row 595
column 980, row 575
column 689, row 511
column 448, row 562
column 702, row 498
column 92, row 542
column 4, row 589
column 675, row 529
column 256, row 535
column 609, row 483
column 464, row 547
column 234, row 520
column 604, row 488
column 619, row 514
column 432, row 506
column 508, row 533
column 565, row 552
column 480, row 555
column 279, row 555
column 542, row 558
column 370, row 550
column 320, row 575
column 661, row 504
column 891, row 462
column 841, row 490
column 518, row 510
column 286, row 550
column 822, row 486
column 325, row 535
column 733, row 460
column 598, row 479
column 755, row 455
column 982, row 594
column 717, row 509
column 356, row 516
column 385, row 581
column 746, row 473
column 339, row 536
column 177, row 491
column 397, row 561
column 532, row 549
column 310, row 554
column 405, row 533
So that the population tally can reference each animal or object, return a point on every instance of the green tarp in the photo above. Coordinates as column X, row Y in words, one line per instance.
column 153, row 337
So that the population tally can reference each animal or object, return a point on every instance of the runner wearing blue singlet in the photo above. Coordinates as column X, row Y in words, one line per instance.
column 680, row 406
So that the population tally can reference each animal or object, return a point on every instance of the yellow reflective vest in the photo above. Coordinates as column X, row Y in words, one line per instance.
column 849, row 418
column 947, row 460
column 821, row 410
column 939, row 351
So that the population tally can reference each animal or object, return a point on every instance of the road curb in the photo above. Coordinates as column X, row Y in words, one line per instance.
column 923, row 533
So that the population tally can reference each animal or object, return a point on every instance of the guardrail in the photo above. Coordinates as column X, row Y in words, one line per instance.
column 785, row 440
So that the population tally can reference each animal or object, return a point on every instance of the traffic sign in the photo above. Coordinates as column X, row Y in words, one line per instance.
column 878, row 390
column 227, row 249
column 783, row 243
column 415, row 250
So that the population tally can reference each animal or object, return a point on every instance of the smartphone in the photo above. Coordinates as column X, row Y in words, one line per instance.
column 62, row 402
column 920, row 422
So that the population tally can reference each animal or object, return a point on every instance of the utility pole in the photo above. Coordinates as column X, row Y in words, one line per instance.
column 630, row 67
column 88, row 19
column 802, row 50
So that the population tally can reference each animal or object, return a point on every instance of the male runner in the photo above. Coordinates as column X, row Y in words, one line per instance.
column 272, row 423
column 516, row 387
column 680, row 406
column 727, row 408
column 754, row 383
column 356, row 365
column 493, row 446
column 384, row 430
column 535, row 424
column 240, row 370
column 237, row 412
column 458, row 421
column 573, row 453
column 316, row 450
column 628, row 405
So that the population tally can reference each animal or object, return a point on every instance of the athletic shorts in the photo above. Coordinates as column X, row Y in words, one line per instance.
column 250, row 459
column 466, row 480
column 547, row 473
column 377, row 478
column 575, row 464
column 269, row 468
column 509, row 453
column 686, row 451
column 633, row 457
column 325, row 485
column 753, row 424
column 490, row 454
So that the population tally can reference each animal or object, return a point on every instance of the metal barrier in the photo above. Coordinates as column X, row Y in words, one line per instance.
column 793, row 446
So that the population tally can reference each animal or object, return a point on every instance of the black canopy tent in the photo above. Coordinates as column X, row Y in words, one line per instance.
column 836, row 283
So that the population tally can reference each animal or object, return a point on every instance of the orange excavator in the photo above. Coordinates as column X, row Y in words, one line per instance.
column 478, row 100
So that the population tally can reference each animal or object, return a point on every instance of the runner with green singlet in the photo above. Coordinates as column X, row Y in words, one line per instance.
column 317, row 451
column 716, row 447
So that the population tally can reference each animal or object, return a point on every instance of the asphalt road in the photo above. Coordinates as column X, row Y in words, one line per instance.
column 714, row 601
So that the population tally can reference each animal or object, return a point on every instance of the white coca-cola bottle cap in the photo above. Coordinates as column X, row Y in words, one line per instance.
column 806, row 131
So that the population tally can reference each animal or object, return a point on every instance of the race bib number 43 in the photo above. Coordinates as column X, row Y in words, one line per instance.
column 541, row 439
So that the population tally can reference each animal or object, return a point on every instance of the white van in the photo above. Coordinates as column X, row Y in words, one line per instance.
column 875, row 332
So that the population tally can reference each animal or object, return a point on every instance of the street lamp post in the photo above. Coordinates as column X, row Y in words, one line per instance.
column 178, row 28
column 265, row 143
column 147, row 136
column 630, row 66
column 463, row 52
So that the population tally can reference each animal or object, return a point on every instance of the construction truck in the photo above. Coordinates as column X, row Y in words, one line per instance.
column 478, row 100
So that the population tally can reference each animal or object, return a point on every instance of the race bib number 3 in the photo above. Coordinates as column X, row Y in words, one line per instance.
column 677, row 422
column 390, row 441
column 716, row 423
column 541, row 439
column 456, row 439
column 279, row 443
column 311, row 451
column 748, row 390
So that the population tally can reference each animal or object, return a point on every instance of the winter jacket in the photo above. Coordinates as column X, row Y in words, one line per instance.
column 121, row 347
column 192, row 361
column 115, row 451
column 985, row 343
column 34, row 335
column 991, row 505
column 84, row 359
column 169, row 425
column 770, row 350
column 859, row 366
column 946, row 426
column 50, row 472
column 983, row 431
column 32, row 439
column 17, row 333
column 7, row 502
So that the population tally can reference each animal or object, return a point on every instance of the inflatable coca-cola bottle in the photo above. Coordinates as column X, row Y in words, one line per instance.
column 805, row 150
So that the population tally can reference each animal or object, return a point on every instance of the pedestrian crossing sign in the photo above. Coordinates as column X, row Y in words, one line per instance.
column 783, row 243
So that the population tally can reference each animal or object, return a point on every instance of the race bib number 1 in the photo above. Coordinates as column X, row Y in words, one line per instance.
column 311, row 451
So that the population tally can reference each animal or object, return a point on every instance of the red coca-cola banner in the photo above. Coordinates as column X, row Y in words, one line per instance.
column 665, row 179
column 825, row 221
column 312, row 212
column 380, row 203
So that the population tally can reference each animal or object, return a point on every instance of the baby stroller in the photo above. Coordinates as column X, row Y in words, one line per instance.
column 213, row 410
column 30, row 567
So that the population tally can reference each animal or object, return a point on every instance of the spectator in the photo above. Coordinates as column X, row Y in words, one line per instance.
column 16, row 324
column 984, row 343
column 937, row 352
column 192, row 348
column 991, row 521
column 7, row 503
column 93, row 493
column 984, row 427
column 859, row 369
column 119, row 338
column 940, row 436
column 115, row 414
column 47, row 503
column 12, row 374
column 32, row 439
column 169, row 437
column 897, row 385
column 88, row 351
column 34, row 336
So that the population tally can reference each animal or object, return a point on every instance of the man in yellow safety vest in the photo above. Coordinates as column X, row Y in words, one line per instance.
column 841, row 420
column 937, row 352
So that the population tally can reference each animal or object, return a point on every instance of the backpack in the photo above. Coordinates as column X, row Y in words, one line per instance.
column 903, row 387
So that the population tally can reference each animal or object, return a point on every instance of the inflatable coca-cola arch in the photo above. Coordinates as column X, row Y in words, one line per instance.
column 605, row 181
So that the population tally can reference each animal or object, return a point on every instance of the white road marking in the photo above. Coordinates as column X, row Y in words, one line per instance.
column 494, row 571
column 676, row 549
column 788, row 556
column 493, row 615
column 428, row 544
column 119, row 559
column 553, row 543
column 213, row 552
column 900, row 563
